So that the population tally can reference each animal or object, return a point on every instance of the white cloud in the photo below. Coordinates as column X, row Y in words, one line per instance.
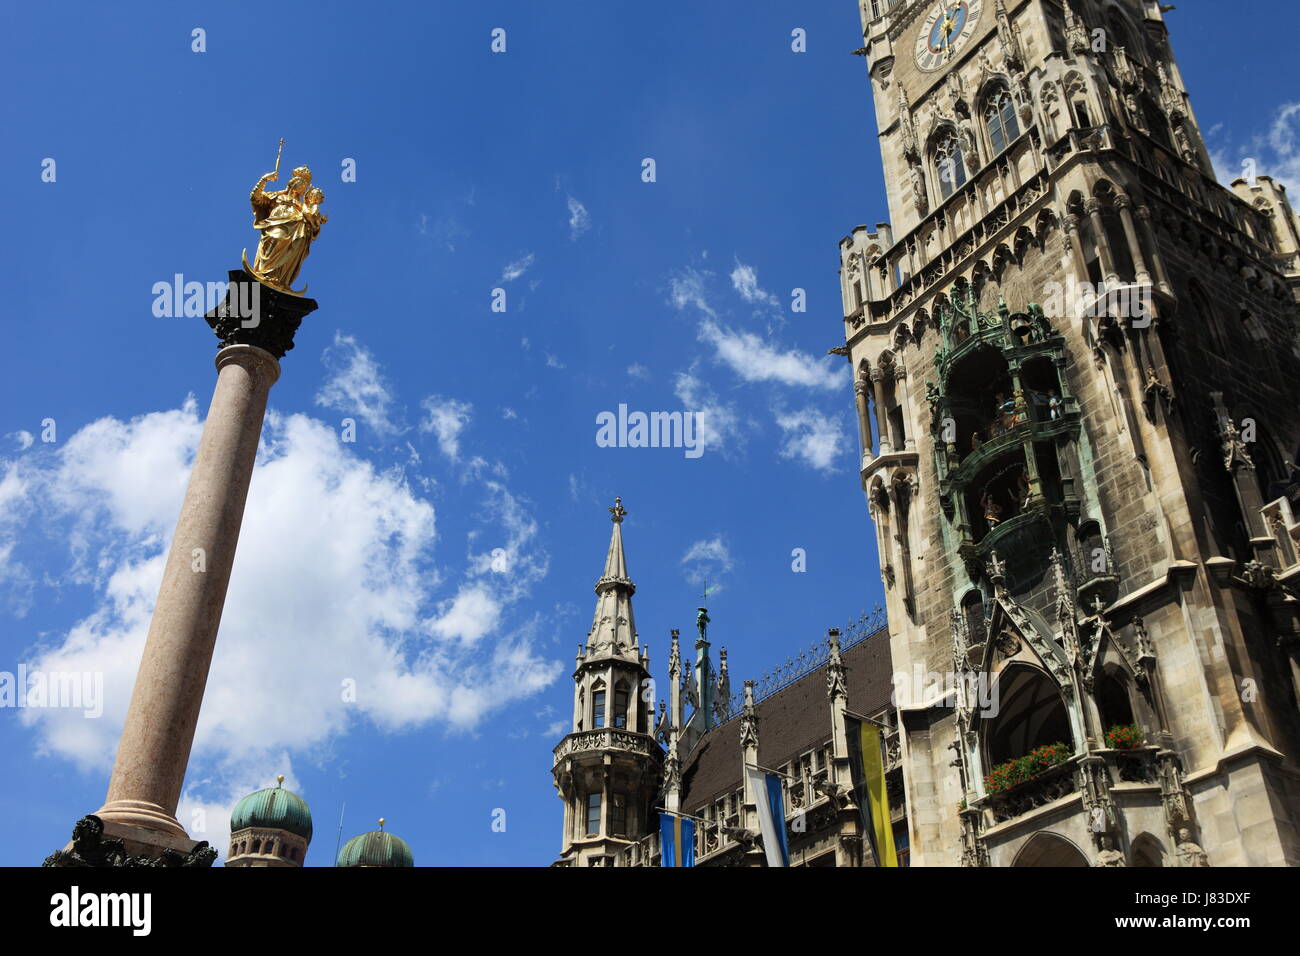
column 744, row 279
column 447, row 419
column 356, row 386
column 334, row 583
column 688, row 289
column 1275, row 153
column 754, row 360
column 749, row 355
column 515, row 269
column 468, row 616
column 638, row 371
column 708, row 560
column 721, row 426
column 24, row 439
column 579, row 218
column 812, row 437
column 553, row 361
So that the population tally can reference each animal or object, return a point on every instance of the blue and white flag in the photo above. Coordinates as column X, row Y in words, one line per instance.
column 766, row 788
column 676, row 840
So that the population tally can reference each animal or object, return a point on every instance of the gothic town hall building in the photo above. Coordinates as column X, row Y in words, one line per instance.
column 1075, row 359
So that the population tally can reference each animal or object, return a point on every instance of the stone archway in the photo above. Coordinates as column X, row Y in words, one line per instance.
column 1147, row 851
column 1048, row 849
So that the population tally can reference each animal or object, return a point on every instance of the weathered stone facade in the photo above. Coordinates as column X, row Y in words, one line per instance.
column 1076, row 359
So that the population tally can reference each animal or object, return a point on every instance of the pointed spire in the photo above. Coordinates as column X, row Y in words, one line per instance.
column 613, row 632
column 835, row 669
column 1064, row 595
column 615, row 560
column 722, row 700
column 1076, row 33
column 749, row 720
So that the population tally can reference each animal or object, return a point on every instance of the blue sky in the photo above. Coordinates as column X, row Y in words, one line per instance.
column 445, row 560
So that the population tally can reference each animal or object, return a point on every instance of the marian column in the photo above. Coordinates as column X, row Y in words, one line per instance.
column 255, row 325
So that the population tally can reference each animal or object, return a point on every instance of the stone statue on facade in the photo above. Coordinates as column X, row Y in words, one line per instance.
column 1190, row 853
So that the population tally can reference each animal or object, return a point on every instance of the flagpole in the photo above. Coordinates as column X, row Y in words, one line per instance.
column 776, row 772
column 870, row 720
column 688, row 816
column 339, row 838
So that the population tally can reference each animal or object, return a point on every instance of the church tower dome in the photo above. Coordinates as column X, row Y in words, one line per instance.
column 376, row 848
column 607, row 768
column 270, row 827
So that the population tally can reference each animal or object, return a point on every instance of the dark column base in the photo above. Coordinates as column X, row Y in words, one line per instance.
column 94, row 845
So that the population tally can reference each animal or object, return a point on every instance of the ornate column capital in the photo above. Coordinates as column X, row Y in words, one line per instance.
column 253, row 313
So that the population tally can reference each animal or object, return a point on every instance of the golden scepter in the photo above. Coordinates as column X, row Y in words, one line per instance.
column 275, row 175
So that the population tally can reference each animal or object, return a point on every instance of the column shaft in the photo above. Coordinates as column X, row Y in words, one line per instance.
column 155, row 746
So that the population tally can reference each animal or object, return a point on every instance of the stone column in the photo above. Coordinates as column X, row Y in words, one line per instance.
column 906, row 440
column 155, row 746
column 1141, row 274
column 886, row 445
column 864, row 423
column 1093, row 208
column 1070, row 224
column 1157, row 260
column 154, row 750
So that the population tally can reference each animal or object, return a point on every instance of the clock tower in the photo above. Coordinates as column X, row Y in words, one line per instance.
column 1074, row 356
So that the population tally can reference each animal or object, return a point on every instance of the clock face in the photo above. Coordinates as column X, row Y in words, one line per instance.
column 947, row 28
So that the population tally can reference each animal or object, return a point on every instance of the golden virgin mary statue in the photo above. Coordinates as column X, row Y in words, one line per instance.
column 288, row 220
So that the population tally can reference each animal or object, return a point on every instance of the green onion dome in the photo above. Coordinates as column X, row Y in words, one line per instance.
column 273, row 808
column 376, row 848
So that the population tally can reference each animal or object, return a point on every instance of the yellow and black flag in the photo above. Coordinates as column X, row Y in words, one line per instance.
column 867, row 768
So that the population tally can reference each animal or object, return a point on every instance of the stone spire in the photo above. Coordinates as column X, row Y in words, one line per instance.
column 609, row 769
column 704, row 679
column 613, row 629
column 722, row 700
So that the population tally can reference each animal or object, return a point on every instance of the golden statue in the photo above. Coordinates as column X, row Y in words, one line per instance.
column 289, row 221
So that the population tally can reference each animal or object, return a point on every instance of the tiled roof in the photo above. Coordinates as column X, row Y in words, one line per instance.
column 791, row 721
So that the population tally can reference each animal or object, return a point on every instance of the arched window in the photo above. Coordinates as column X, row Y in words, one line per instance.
column 620, row 704
column 972, row 608
column 1113, row 701
column 593, row 814
column 257, row 846
column 1000, row 116
column 949, row 166
column 1031, row 714
column 598, row 707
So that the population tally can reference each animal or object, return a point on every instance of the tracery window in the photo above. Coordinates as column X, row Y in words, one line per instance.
column 949, row 166
column 1000, row 116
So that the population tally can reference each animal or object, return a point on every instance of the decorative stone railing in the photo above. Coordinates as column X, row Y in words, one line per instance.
column 1135, row 765
column 606, row 739
column 1048, row 786
column 956, row 248
column 644, row 852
